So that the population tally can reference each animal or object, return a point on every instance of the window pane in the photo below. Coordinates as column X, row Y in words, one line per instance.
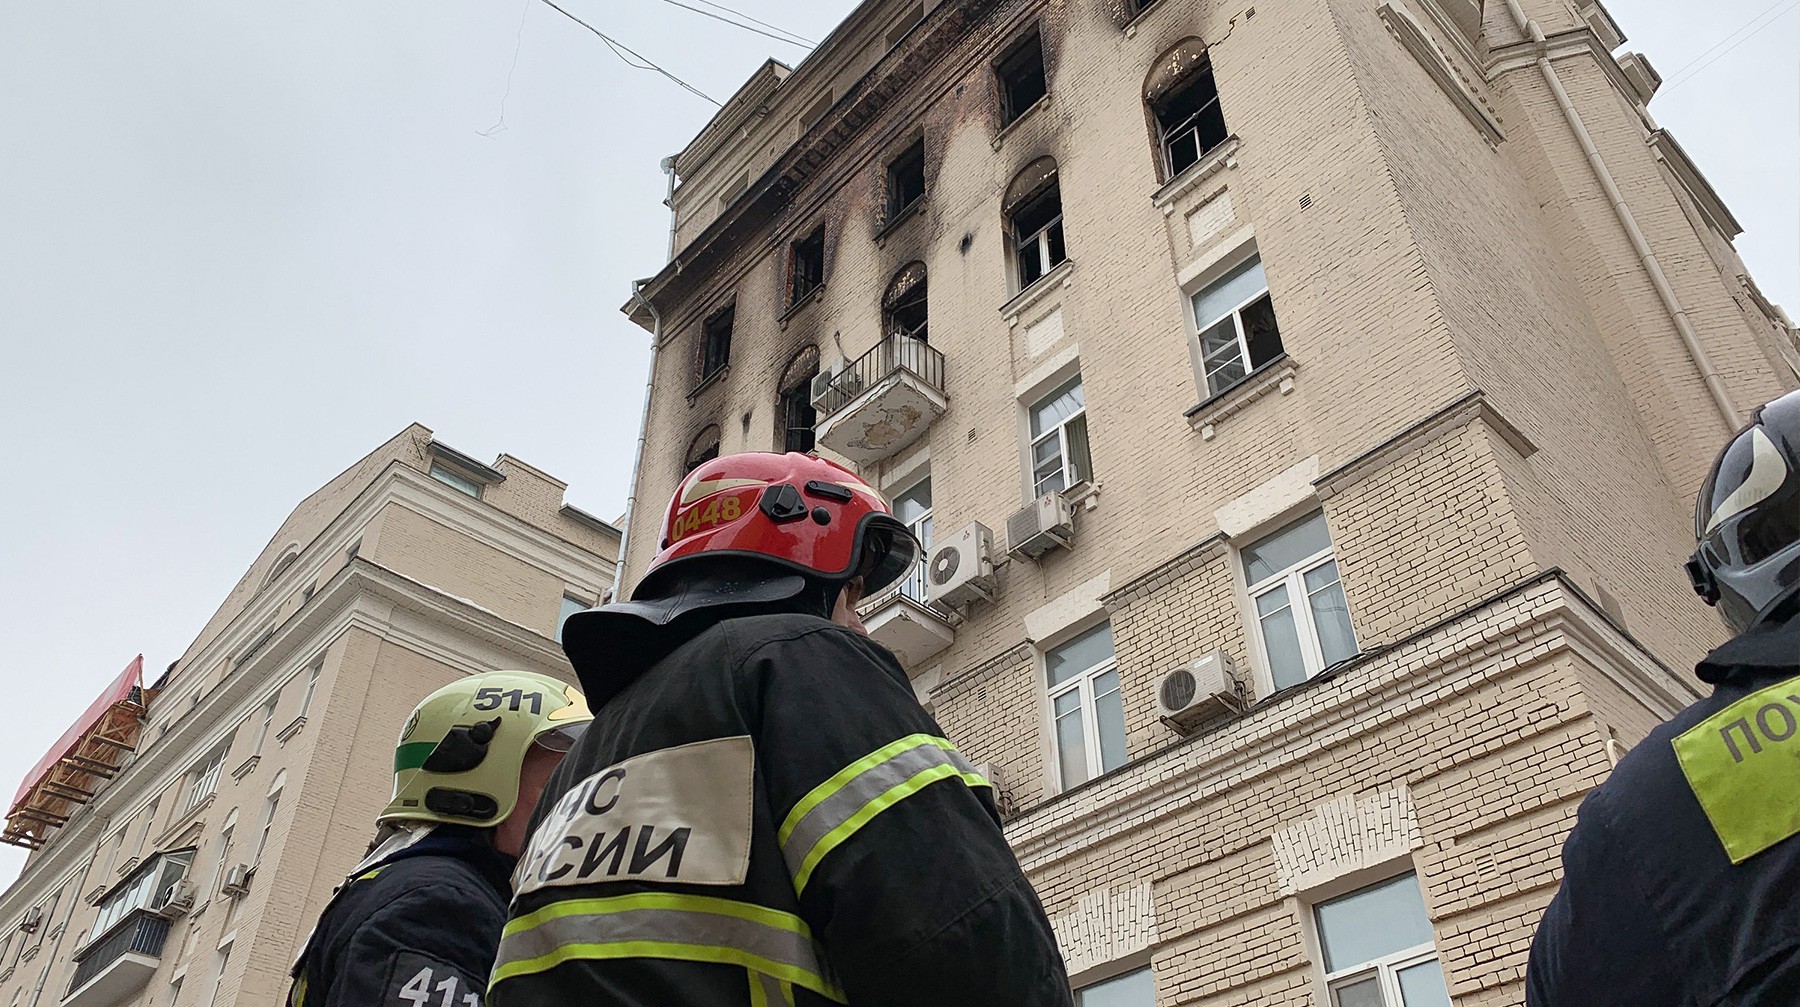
column 1422, row 985
column 1373, row 922
column 1285, row 549
column 1081, row 465
column 1086, row 651
column 1366, row 993
column 1260, row 331
column 1109, row 720
column 1056, row 407
column 1225, row 374
column 1234, row 288
column 1281, row 640
column 1220, row 341
column 1133, row 989
column 570, row 606
column 1053, row 244
column 1331, row 614
column 1071, row 743
column 915, row 503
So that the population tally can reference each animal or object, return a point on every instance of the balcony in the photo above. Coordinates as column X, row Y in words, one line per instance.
column 883, row 401
column 900, row 620
column 114, row 968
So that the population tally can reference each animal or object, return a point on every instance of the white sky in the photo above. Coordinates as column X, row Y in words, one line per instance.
column 243, row 244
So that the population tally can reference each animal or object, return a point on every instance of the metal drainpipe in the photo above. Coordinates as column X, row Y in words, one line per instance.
column 74, row 897
column 1710, row 375
column 637, row 294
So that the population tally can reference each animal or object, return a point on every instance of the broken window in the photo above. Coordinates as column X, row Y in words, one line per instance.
column 1236, row 322
column 806, row 266
column 1021, row 76
column 1034, row 213
column 1184, row 100
column 795, row 415
column 903, row 306
column 1135, row 7
column 715, row 342
column 906, row 180
column 703, row 448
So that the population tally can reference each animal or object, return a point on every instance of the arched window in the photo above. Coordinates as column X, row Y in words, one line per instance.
column 903, row 306
column 794, row 412
column 1033, row 209
column 703, row 448
column 1184, row 101
column 287, row 559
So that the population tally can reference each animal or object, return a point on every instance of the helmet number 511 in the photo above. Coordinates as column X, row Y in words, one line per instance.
column 490, row 699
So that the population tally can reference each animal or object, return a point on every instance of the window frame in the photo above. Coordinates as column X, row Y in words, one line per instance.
column 1293, row 579
column 1385, row 968
column 1168, row 137
column 458, row 481
column 915, row 584
column 271, row 806
column 1081, row 683
column 913, row 153
column 1145, row 969
column 1010, row 110
column 205, row 772
column 262, row 732
column 796, row 405
column 1038, row 242
column 713, row 354
column 1071, row 476
column 564, row 611
column 805, row 245
column 1236, row 315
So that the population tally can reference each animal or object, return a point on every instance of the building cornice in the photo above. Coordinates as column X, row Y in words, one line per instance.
column 1461, row 411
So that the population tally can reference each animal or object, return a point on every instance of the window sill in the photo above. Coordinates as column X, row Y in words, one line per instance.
column 1215, row 160
column 802, row 304
column 1007, row 129
column 1084, row 494
column 287, row 733
column 185, row 819
column 893, row 223
column 1062, row 275
column 31, row 952
column 4, row 976
column 246, row 768
column 128, row 866
column 707, row 382
column 1276, row 375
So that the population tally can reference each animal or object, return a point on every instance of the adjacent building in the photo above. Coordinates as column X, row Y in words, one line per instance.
column 1303, row 401
column 189, row 829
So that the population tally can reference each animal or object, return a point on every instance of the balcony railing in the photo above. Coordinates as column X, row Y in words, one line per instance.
column 897, row 352
column 142, row 933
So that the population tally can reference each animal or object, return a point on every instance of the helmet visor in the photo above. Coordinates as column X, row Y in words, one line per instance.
column 890, row 551
column 561, row 739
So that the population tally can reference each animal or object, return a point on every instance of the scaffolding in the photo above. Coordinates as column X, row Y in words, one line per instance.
column 87, row 755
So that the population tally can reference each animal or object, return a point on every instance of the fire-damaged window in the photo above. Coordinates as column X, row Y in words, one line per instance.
column 1235, row 320
column 715, row 343
column 906, row 180
column 1184, row 100
column 806, row 265
column 903, row 306
column 703, row 448
column 1035, row 220
column 795, row 415
column 1021, row 77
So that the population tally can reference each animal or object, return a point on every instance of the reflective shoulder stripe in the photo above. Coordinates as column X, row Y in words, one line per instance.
column 768, row 991
column 365, row 876
column 694, row 928
column 832, row 811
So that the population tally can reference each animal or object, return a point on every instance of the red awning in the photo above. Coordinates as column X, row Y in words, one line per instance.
column 90, row 751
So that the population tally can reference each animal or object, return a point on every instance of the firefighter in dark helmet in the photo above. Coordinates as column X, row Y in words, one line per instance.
column 1682, row 878
column 762, row 814
column 418, row 920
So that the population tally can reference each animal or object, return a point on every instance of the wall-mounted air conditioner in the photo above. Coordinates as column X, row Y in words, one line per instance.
column 174, row 900
column 836, row 375
column 1044, row 524
column 1198, row 690
column 237, row 882
column 960, row 569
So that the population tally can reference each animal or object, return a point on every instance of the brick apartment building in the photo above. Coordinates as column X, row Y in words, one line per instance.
column 245, row 779
column 1305, row 403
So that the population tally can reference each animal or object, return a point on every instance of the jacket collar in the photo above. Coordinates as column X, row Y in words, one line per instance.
column 1765, row 652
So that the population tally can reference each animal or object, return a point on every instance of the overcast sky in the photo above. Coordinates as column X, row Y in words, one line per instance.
column 242, row 244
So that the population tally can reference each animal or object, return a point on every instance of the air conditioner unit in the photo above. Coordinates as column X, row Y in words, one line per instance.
column 960, row 569
column 1003, row 797
column 175, row 900
column 33, row 916
column 1197, row 690
column 237, row 882
column 836, row 376
column 1045, row 524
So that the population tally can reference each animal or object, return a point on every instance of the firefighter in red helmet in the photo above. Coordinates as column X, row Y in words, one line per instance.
column 762, row 814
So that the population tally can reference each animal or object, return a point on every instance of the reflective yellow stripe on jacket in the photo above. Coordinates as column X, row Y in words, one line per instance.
column 693, row 928
column 834, row 810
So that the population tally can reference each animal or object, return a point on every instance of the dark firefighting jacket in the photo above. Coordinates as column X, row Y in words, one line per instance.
column 1682, row 877
column 767, row 816
column 418, row 930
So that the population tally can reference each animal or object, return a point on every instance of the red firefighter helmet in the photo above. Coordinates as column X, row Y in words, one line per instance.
column 807, row 514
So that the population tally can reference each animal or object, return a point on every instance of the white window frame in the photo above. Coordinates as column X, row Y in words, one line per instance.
column 1385, row 969
column 913, row 585
column 1061, row 432
column 1038, row 241
column 1294, row 579
column 271, row 805
column 262, row 733
column 1236, row 314
column 312, row 685
column 1083, row 683
column 563, row 611
column 203, row 779
column 226, row 834
column 1145, row 968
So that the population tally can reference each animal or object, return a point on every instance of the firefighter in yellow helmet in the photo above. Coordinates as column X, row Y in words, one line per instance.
column 418, row 920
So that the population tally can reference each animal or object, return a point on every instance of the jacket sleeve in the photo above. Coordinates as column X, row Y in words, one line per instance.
column 891, row 839
column 432, row 947
column 1598, row 942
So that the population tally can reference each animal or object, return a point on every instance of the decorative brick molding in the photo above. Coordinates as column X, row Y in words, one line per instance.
column 1010, row 657
column 1345, row 835
column 1106, row 926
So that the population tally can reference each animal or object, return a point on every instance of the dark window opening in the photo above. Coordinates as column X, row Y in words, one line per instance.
column 715, row 343
column 903, row 308
column 797, row 418
column 1021, row 73
column 1037, row 227
column 703, row 448
column 1189, row 121
column 906, row 180
column 1135, row 7
column 806, row 266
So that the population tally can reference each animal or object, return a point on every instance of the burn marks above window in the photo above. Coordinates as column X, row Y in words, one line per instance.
column 903, row 306
column 806, row 266
column 715, row 344
column 1034, row 218
column 905, row 180
column 1184, row 103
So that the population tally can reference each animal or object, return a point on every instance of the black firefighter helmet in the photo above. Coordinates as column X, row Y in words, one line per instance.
column 1747, row 521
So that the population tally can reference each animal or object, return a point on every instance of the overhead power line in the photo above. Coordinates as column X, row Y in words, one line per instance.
column 765, row 24
column 622, row 50
column 786, row 36
column 1676, row 79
